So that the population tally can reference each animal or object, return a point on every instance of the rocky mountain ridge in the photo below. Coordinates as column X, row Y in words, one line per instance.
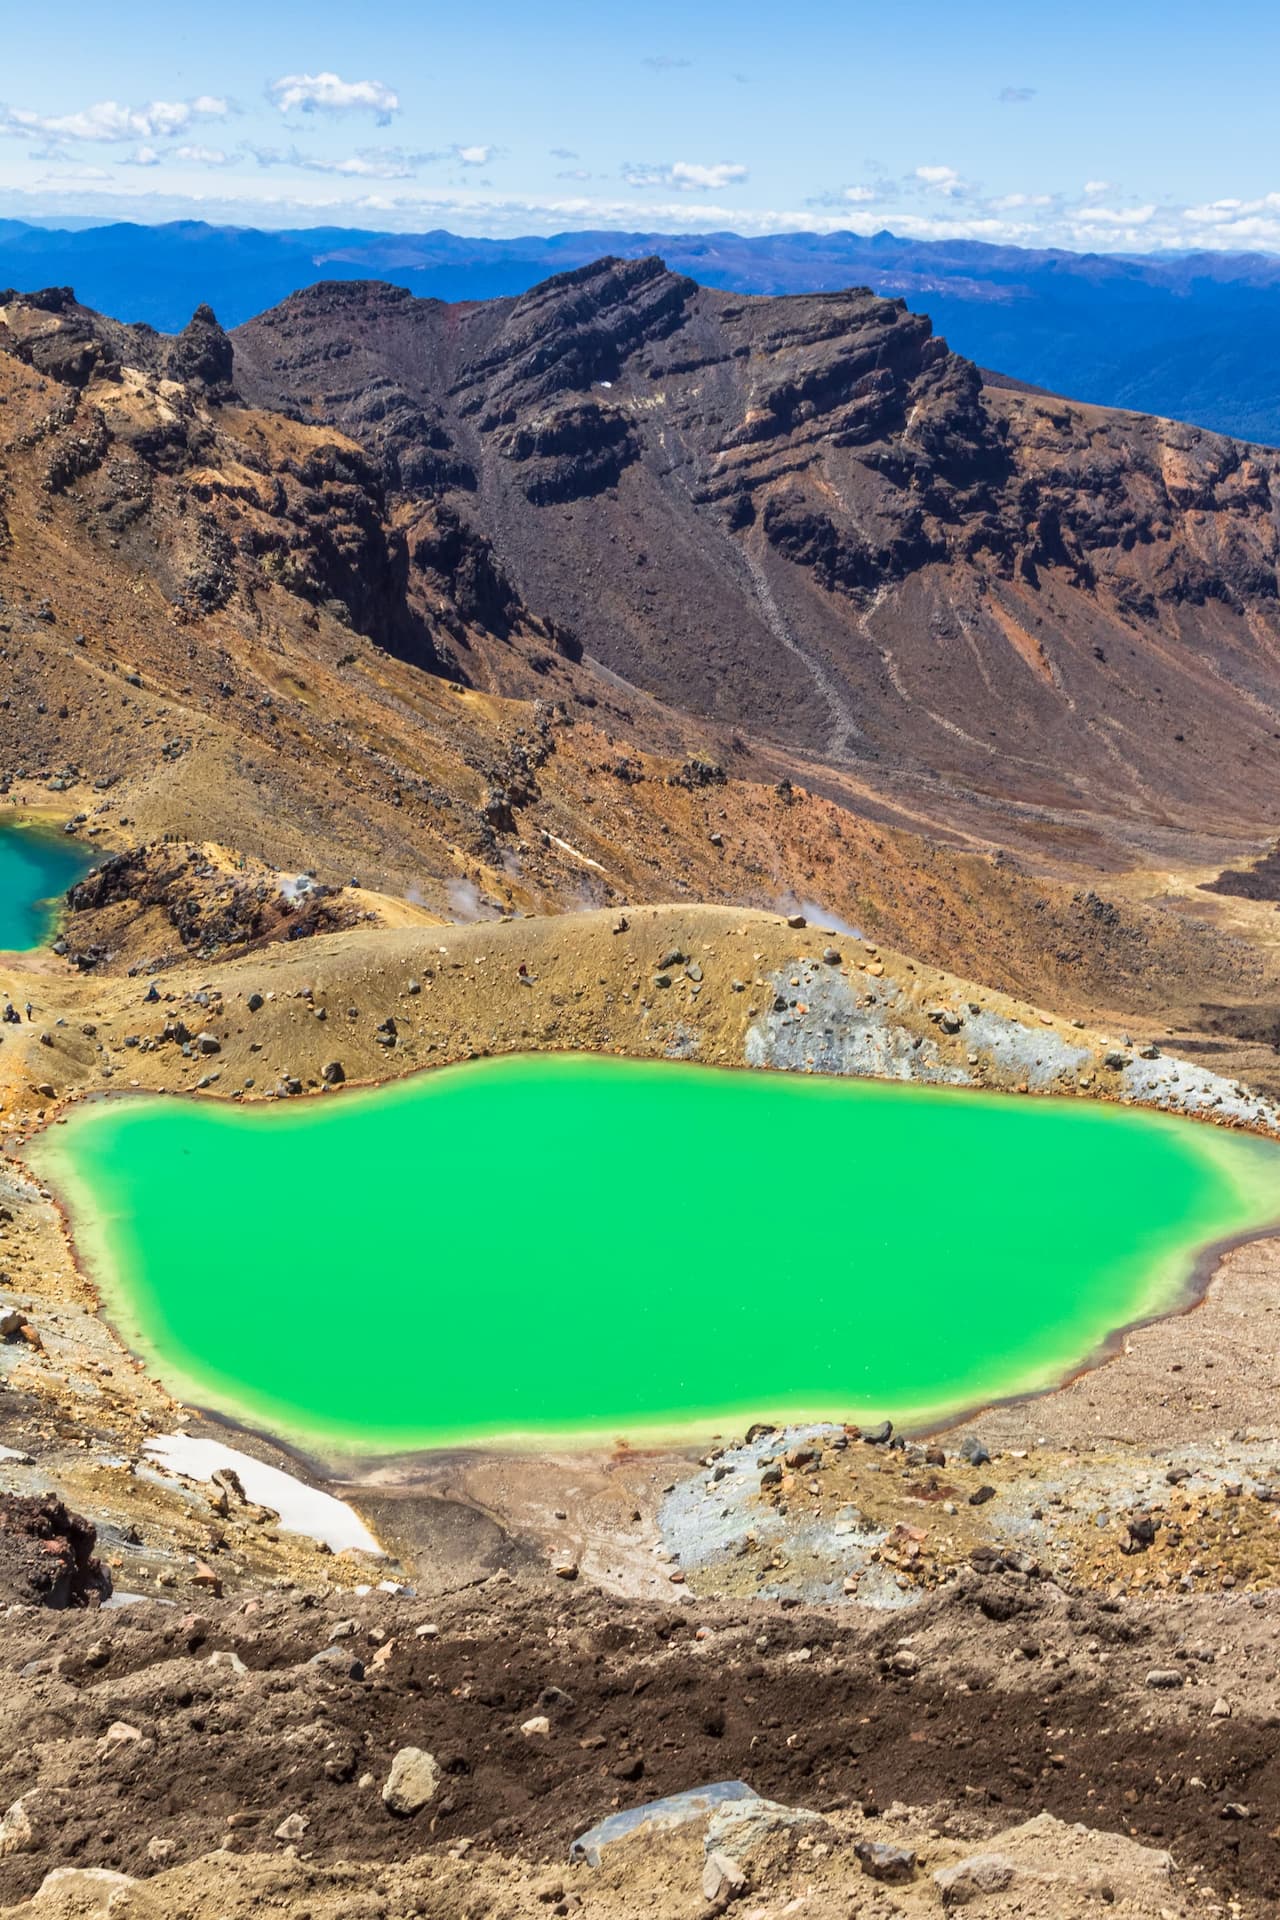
column 805, row 516
column 327, row 646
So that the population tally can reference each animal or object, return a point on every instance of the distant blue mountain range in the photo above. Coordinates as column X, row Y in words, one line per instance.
column 1196, row 336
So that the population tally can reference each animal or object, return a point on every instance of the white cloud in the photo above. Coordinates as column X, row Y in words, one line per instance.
column 941, row 180
column 388, row 187
column 1231, row 212
column 1098, row 186
column 688, row 175
column 144, row 157
column 362, row 166
column 1092, row 216
column 1016, row 96
column 108, row 121
column 371, row 163
column 91, row 176
column 329, row 93
column 724, row 174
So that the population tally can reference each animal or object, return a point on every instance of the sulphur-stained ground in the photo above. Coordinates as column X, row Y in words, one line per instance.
column 1027, row 1665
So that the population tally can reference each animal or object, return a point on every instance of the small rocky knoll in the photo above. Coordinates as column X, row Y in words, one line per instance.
column 196, row 901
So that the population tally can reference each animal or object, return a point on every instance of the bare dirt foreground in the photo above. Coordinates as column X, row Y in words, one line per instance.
column 1026, row 1666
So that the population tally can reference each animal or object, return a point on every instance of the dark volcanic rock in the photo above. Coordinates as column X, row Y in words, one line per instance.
column 46, row 1554
column 201, row 354
column 808, row 517
column 210, row 911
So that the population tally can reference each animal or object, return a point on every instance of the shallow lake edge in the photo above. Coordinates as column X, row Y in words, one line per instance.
column 49, row 826
column 334, row 1463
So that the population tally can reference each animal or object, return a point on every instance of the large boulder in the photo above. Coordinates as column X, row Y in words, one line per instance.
column 47, row 1554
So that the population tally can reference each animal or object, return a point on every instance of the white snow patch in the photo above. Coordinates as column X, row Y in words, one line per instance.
column 564, row 847
column 302, row 1509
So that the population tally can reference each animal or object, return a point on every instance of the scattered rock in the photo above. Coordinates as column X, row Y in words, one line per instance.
column 344, row 1661
column 722, row 1879
column 292, row 1827
column 739, row 1826
column 973, row 1879
column 226, row 1660
column 674, row 1810
column 91, row 1889
column 118, row 1734
column 1141, row 1533
column 1166, row 1678
column 881, row 1861
column 17, row 1835
column 412, row 1781
column 47, row 1554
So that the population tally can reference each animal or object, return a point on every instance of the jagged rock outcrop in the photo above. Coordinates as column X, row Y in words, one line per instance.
column 250, row 505
column 806, row 516
column 72, row 344
column 210, row 905
column 47, row 1556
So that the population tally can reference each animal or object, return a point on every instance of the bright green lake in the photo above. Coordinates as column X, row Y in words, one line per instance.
column 36, row 868
column 563, row 1244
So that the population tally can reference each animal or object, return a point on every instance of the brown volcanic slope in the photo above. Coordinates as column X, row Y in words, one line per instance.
column 806, row 516
column 252, row 633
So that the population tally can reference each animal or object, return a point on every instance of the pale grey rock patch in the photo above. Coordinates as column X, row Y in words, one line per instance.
column 1039, row 1056
column 836, row 1034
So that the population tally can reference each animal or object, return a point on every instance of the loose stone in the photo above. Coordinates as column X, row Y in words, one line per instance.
column 412, row 1782
column 880, row 1861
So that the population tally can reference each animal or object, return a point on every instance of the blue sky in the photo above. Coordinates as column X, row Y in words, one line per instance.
column 1127, row 125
